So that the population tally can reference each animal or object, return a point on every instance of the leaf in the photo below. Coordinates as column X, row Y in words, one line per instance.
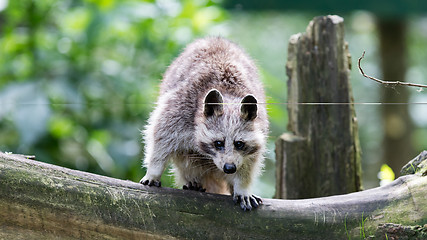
column 386, row 175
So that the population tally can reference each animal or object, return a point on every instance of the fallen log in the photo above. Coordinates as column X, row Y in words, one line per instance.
column 43, row 201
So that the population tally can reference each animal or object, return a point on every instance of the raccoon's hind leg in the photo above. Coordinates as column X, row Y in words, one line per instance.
column 194, row 186
column 189, row 171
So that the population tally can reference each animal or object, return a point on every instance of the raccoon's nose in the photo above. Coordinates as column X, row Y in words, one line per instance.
column 229, row 168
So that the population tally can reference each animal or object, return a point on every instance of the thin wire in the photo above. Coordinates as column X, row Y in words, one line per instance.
column 320, row 103
column 267, row 103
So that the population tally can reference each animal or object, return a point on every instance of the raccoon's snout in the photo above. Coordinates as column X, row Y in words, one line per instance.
column 229, row 168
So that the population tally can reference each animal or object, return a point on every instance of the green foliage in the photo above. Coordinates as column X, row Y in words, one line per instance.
column 78, row 78
column 362, row 228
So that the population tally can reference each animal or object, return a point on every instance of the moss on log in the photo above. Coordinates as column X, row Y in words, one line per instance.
column 39, row 200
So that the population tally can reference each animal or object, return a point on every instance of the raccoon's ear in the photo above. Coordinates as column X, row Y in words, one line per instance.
column 248, row 110
column 213, row 103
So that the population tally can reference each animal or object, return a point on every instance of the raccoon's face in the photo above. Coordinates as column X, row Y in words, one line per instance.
column 227, row 133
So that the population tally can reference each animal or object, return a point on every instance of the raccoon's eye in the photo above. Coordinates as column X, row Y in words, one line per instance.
column 219, row 145
column 239, row 145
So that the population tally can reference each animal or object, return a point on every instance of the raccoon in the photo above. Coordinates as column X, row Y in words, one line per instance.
column 208, row 122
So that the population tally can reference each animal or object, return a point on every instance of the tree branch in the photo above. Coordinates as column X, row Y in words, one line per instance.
column 39, row 200
column 392, row 83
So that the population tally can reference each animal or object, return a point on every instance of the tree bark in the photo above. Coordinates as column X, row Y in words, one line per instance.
column 43, row 201
column 397, row 124
column 320, row 156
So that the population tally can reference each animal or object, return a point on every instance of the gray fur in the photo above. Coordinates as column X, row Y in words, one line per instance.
column 209, row 93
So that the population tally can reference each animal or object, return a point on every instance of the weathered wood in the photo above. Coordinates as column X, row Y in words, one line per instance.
column 415, row 164
column 43, row 201
column 320, row 155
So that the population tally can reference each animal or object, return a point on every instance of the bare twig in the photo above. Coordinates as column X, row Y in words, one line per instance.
column 393, row 83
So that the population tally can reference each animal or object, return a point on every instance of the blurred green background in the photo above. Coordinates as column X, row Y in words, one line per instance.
column 78, row 78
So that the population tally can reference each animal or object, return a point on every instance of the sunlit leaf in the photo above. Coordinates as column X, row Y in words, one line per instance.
column 103, row 4
column 75, row 21
column 61, row 127
column 386, row 175
column 101, row 136
column 205, row 16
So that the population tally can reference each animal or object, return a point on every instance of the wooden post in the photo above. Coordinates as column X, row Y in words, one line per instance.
column 320, row 155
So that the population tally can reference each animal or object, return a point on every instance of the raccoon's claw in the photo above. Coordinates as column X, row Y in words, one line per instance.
column 247, row 202
column 150, row 183
column 193, row 186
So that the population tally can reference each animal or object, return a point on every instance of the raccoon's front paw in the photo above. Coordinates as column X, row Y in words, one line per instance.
column 247, row 202
column 193, row 186
column 150, row 182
